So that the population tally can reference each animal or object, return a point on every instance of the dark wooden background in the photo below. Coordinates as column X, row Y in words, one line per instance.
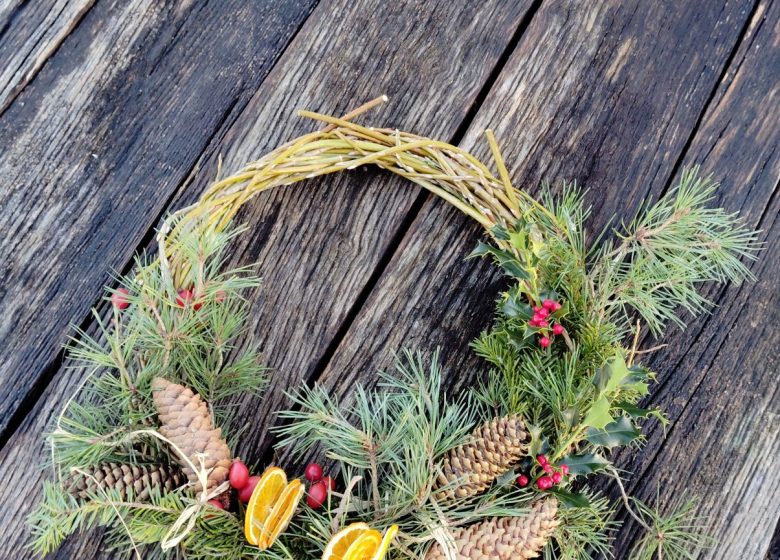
column 113, row 113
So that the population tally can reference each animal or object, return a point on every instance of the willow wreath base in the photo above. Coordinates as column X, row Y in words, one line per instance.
column 144, row 446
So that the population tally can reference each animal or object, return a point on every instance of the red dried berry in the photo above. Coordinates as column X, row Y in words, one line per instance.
column 557, row 329
column 522, row 481
column 544, row 483
column 548, row 304
column 185, row 296
column 318, row 495
column 544, row 342
column 217, row 504
column 313, row 472
column 565, row 469
column 329, row 483
column 246, row 492
column 119, row 298
column 541, row 459
column 557, row 477
column 239, row 475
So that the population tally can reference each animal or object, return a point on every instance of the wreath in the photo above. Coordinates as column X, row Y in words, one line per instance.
column 504, row 471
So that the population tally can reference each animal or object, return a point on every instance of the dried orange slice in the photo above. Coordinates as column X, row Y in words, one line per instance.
column 341, row 541
column 359, row 542
column 364, row 546
column 265, row 495
column 281, row 514
column 386, row 542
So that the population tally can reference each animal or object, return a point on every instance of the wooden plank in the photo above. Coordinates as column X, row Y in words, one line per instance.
column 134, row 79
column 346, row 53
column 719, row 377
column 613, row 107
column 30, row 32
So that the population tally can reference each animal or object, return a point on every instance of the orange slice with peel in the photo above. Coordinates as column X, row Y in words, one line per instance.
column 281, row 514
column 265, row 495
column 359, row 542
column 364, row 546
column 387, row 540
column 341, row 541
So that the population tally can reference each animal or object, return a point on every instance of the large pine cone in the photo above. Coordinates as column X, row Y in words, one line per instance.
column 504, row 538
column 186, row 421
column 139, row 480
column 493, row 448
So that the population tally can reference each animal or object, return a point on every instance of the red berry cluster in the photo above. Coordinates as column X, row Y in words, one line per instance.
column 120, row 299
column 240, row 480
column 549, row 477
column 320, row 486
column 544, row 320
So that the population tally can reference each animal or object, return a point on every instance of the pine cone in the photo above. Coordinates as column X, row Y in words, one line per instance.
column 140, row 479
column 492, row 450
column 186, row 421
column 504, row 538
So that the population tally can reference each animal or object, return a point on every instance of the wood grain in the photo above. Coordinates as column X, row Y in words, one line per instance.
column 601, row 112
column 333, row 235
column 718, row 379
column 30, row 32
column 95, row 147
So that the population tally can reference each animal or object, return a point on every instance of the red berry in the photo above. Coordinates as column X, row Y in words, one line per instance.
column 547, row 467
column 557, row 329
column 197, row 305
column 544, row 483
column 329, row 483
column 239, row 475
column 542, row 460
column 184, row 297
column 543, row 323
column 313, row 472
column 537, row 309
column 217, row 504
column 557, row 477
column 556, row 306
column 548, row 304
column 318, row 495
column 543, row 313
column 565, row 469
column 533, row 323
column 119, row 298
column 544, row 342
column 246, row 492
column 522, row 481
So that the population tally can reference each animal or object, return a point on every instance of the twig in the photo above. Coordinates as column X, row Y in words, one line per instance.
column 631, row 512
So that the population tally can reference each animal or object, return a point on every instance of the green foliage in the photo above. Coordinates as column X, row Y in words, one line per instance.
column 680, row 535
column 194, row 344
column 582, row 394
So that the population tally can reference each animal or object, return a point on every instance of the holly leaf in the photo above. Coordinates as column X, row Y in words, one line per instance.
column 638, row 412
column 500, row 232
column 598, row 417
column 569, row 499
column 620, row 432
column 505, row 260
column 584, row 464
column 514, row 308
column 611, row 375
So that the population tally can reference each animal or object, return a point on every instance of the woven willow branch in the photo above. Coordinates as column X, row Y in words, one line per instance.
column 443, row 169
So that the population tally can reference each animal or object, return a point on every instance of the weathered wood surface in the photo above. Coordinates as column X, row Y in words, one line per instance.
column 616, row 96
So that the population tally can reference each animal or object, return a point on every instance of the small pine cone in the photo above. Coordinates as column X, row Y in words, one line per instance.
column 494, row 447
column 186, row 421
column 140, row 479
column 504, row 538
